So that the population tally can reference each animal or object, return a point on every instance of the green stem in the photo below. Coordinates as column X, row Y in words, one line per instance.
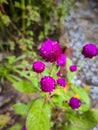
column 58, row 68
column 29, row 2
column 18, row 31
column 39, row 76
column 53, row 65
column 23, row 15
column 13, row 12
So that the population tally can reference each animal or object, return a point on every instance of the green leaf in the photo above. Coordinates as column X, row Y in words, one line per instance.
column 41, row 36
column 71, row 127
column 57, row 100
column 4, row 1
column 88, row 120
column 20, row 109
column 16, row 127
column 17, row 4
column 84, row 121
column 6, row 20
column 24, row 86
column 46, row 72
column 39, row 116
column 47, row 27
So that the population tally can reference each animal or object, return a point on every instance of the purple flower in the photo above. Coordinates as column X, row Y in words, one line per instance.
column 24, row 128
column 61, row 82
column 89, row 50
column 50, row 50
column 61, row 61
column 59, row 73
column 74, row 103
column 26, row 68
column 73, row 68
column 48, row 84
column 38, row 66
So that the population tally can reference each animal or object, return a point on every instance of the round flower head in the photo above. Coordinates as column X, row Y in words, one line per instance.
column 74, row 103
column 89, row 50
column 61, row 61
column 38, row 66
column 50, row 50
column 26, row 68
column 59, row 73
column 73, row 68
column 48, row 84
column 61, row 82
column 24, row 128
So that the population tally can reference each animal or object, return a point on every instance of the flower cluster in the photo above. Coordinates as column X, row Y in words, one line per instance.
column 51, row 52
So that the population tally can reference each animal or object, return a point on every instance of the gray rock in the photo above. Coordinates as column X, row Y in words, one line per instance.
column 93, row 69
column 95, row 128
column 94, row 89
column 95, row 80
column 94, row 96
column 88, row 80
column 78, row 82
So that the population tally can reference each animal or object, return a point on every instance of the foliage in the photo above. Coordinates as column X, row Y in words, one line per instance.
column 40, row 112
column 9, row 68
column 16, row 127
column 83, row 121
column 25, row 22
column 20, row 109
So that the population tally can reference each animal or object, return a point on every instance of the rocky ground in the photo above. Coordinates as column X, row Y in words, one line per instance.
column 81, row 28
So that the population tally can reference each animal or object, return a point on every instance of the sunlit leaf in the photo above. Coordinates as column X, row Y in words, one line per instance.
column 20, row 109
column 24, row 86
column 16, row 127
column 39, row 116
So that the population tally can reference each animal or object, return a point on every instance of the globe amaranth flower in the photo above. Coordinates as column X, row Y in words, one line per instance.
column 38, row 66
column 74, row 103
column 59, row 73
column 89, row 50
column 24, row 128
column 73, row 68
column 61, row 82
column 48, row 84
column 50, row 50
column 61, row 61
column 26, row 68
